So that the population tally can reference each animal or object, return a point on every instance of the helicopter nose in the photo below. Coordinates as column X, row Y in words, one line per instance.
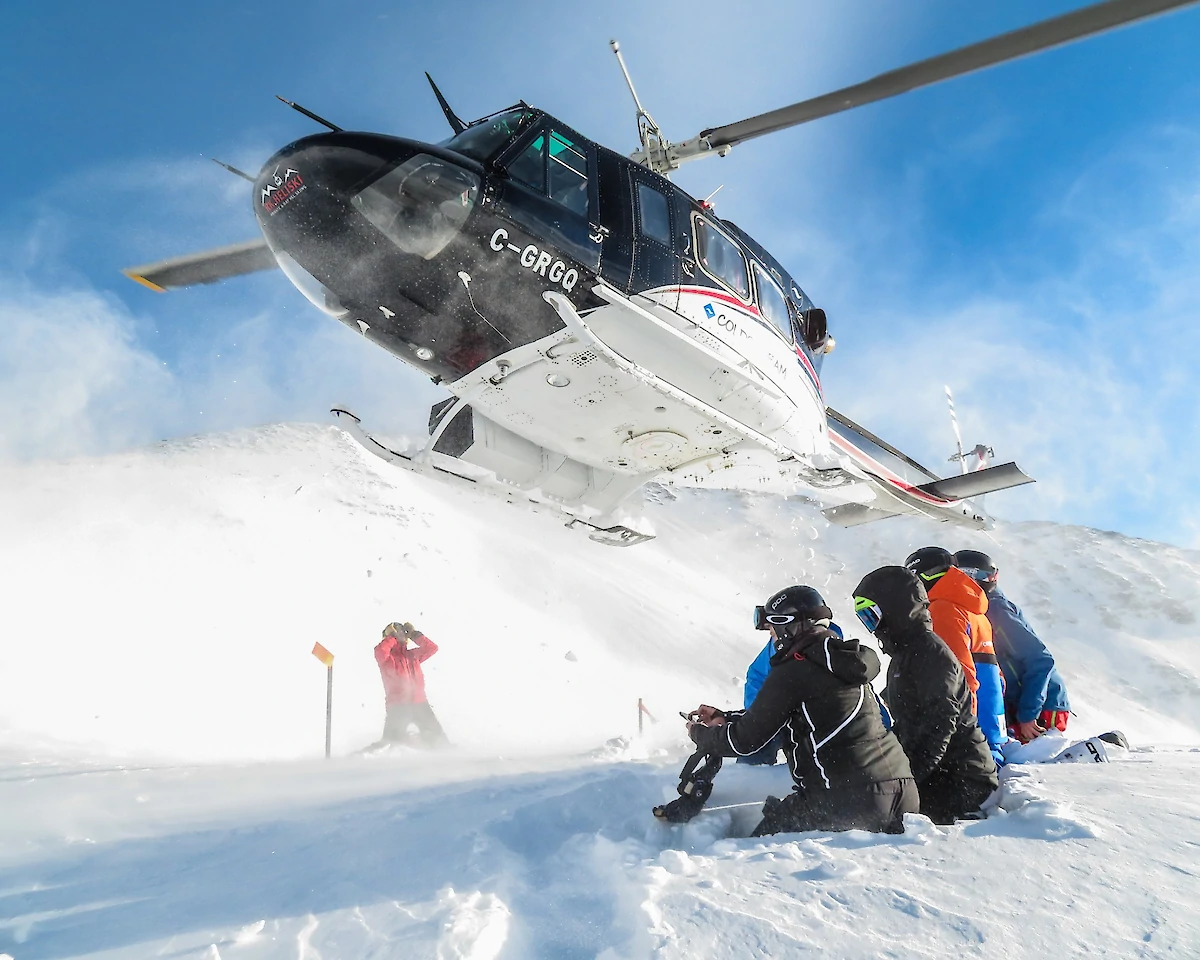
column 335, row 202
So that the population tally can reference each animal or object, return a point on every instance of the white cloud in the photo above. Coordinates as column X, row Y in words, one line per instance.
column 1080, row 367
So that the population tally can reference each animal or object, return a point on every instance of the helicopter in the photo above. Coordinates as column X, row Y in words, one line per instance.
column 597, row 328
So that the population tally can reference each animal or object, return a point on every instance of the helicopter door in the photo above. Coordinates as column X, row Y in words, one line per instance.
column 551, row 192
column 655, row 266
column 616, row 219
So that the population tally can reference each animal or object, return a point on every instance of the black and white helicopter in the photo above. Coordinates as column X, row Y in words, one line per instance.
column 596, row 326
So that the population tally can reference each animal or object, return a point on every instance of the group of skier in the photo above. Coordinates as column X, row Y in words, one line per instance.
column 967, row 678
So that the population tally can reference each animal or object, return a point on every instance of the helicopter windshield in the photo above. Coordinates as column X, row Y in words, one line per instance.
column 482, row 140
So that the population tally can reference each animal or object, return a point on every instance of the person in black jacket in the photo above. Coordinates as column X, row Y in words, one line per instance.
column 849, row 772
column 928, row 697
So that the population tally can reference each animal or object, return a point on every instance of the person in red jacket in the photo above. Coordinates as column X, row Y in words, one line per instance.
column 400, row 654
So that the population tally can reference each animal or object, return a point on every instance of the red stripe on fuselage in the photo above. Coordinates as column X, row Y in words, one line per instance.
column 884, row 473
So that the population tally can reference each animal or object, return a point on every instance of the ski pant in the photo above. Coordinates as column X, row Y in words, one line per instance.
column 946, row 797
column 400, row 715
column 878, row 807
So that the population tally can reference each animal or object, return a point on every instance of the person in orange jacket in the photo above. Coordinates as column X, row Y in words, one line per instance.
column 958, row 606
column 400, row 654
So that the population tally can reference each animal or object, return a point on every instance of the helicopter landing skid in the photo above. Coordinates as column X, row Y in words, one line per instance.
column 423, row 462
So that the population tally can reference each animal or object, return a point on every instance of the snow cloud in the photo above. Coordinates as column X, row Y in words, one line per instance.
column 73, row 378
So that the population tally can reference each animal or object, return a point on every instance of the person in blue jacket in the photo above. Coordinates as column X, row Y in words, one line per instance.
column 1035, row 697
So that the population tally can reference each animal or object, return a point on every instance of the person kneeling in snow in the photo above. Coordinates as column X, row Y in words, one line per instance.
column 1035, row 696
column 958, row 607
column 756, row 673
column 928, row 696
column 849, row 772
column 400, row 654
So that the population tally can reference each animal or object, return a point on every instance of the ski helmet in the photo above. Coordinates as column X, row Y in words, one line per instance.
column 791, row 609
column 930, row 563
column 978, row 566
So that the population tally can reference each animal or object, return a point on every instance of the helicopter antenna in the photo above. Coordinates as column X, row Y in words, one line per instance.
column 455, row 124
column 233, row 170
column 708, row 199
column 308, row 113
column 960, row 456
column 654, row 144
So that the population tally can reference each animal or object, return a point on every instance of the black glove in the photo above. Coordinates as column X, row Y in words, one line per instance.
column 681, row 810
column 692, row 797
column 695, row 787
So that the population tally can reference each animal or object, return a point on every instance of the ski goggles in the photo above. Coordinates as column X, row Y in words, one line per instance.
column 764, row 620
column 868, row 612
column 981, row 576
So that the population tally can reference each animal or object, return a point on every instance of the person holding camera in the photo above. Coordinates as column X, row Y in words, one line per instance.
column 849, row 772
column 400, row 654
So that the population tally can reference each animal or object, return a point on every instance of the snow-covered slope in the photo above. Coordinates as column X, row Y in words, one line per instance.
column 162, row 721
column 166, row 601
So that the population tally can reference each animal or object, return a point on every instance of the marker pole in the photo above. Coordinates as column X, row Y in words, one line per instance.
column 326, row 658
column 328, row 709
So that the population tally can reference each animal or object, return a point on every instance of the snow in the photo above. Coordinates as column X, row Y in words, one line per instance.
column 162, row 728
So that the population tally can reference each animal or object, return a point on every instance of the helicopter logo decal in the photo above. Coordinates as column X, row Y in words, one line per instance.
column 539, row 261
column 280, row 189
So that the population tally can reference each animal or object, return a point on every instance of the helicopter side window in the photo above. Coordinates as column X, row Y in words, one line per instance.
column 530, row 167
column 568, row 174
column 772, row 303
column 654, row 215
column 721, row 258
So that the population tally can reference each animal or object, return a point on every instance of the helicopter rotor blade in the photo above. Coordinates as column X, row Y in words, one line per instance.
column 1008, row 46
column 208, row 266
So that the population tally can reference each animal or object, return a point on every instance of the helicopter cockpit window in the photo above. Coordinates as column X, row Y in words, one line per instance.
column 568, row 174
column 772, row 304
column 561, row 172
column 482, row 140
column 721, row 258
column 421, row 204
column 529, row 167
column 654, row 214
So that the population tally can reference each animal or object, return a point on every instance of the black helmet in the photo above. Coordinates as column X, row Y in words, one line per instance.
column 929, row 563
column 978, row 566
column 789, row 610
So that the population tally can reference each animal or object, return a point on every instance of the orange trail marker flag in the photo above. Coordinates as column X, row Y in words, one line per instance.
column 322, row 654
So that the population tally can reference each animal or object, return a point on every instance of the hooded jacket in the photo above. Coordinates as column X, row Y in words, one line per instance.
column 959, row 606
column 818, row 693
column 1032, row 682
column 927, row 692
column 400, row 668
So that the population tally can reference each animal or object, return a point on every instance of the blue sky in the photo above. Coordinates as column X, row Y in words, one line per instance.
column 1029, row 235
